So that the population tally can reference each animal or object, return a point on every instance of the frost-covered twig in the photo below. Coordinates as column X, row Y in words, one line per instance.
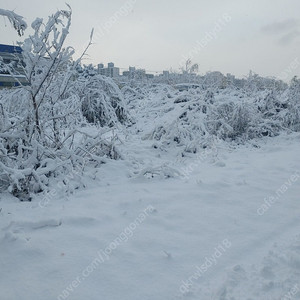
column 16, row 20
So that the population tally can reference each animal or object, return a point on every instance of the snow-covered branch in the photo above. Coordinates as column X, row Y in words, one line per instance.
column 16, row 20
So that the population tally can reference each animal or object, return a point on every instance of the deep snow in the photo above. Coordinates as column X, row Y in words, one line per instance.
column 205, row 234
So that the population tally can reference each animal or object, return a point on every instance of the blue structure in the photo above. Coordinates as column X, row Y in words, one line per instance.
column 10, row 49
column 11, row 55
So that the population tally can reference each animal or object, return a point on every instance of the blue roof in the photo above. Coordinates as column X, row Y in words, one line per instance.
column 10, row 49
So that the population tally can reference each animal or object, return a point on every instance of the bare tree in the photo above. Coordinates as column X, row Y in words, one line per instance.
column 189, row 67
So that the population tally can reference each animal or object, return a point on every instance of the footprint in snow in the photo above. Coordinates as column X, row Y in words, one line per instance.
column 17, row 226
column 220, row 164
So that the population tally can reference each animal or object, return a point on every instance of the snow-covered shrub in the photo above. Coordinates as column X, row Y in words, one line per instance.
column 240, row 121
column 291, row 119
column 102, row 101
column 132, row 94
column 42, row 129
column 227, row 120
column 182, row 120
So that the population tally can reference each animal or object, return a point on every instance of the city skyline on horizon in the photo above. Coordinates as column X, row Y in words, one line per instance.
column 231, row 38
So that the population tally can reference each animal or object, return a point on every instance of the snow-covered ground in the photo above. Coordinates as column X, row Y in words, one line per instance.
column 223, row 224
column 187, row 193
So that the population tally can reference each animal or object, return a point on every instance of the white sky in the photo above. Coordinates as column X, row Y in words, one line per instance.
column 261, row 35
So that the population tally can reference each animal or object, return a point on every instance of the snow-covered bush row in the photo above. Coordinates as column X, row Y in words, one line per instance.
column 44, row 129
column 195, row 117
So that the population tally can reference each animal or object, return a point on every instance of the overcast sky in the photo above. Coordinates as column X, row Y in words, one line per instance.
column 231, row 36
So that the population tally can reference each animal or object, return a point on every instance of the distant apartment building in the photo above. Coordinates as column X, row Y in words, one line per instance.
column 137, row 74
column 110, row 71
column 11, row 70
column 166, row 74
